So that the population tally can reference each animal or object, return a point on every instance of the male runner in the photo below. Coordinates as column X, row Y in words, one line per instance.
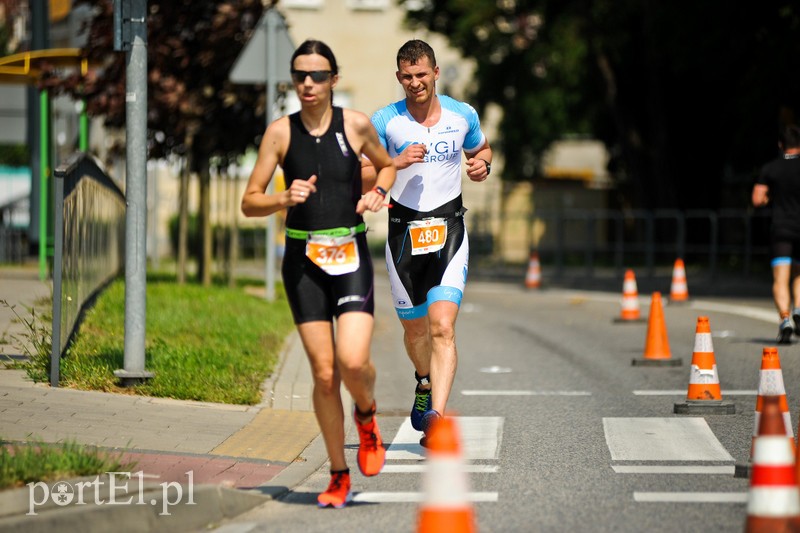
column 427, row 249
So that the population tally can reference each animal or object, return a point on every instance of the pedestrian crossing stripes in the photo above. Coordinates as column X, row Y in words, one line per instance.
column 480, row 436
column 669, row 469
column 691, row 497
column 525, row 393
column 415, row 497
column 682, row 392
column 420, row 468
column 663, row 439
column 688, row 443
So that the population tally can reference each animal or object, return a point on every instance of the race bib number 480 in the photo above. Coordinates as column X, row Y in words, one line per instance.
column 334, row 255
column 427, row 235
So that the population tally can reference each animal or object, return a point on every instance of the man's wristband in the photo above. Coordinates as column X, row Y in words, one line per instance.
column 380, row 190
column 488, row 166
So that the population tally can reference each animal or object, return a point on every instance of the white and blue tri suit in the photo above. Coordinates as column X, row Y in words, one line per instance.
column 430, row 190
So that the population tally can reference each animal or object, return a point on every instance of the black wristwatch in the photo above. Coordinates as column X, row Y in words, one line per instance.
column 488, row 166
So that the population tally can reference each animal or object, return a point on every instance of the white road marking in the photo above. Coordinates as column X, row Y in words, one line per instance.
column 496, row 370
column 480, row 436
column 664, row 469
column 765, row 315
column 691, row 497
column 526, row 393
column 682, row 392
column 421, row 468
column 663, row 439
column 415, row 497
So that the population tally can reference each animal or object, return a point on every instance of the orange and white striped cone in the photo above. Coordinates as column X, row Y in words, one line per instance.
column 533, row 278
column 770, row 383
column 656, row 347
column 705, row 394
column 630, row 300
column 678, row 291
column 446, row 506
column 773, row 501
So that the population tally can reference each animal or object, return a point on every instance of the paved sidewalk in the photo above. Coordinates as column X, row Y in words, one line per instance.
column 231, row 457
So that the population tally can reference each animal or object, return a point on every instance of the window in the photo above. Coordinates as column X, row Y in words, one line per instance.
column 302, row 4
column 368, row 5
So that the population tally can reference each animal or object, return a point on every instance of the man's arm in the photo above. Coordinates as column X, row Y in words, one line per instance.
column 760, row 196
column 478, row 162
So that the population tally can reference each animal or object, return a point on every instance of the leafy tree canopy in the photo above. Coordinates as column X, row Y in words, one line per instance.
column 191, row 48
column 688, row 96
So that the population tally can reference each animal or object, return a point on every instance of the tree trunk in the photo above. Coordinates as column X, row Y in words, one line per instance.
column 183, row 219
column 233, row 242
column 204, row 216
column 220, row 212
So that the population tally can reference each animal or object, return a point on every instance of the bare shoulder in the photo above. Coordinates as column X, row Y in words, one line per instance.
column 276, row 138
column 356, row 120
column 279, row 127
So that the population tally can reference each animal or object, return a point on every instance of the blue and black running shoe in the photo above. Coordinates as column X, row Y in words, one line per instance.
column 422, row 403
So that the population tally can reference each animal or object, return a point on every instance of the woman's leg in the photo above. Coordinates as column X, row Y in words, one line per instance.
column 317, row 339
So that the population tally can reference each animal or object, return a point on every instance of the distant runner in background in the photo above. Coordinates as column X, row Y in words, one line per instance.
column 778, row 185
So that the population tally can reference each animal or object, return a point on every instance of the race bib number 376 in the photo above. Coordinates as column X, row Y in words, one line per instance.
column 334, row 255
column 427, row 235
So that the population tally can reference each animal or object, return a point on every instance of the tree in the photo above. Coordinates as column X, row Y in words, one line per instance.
column 193, row 110
column 687, row 96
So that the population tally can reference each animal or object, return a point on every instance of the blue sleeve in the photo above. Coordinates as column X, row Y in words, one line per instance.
column 379, row 120
column 474, row 138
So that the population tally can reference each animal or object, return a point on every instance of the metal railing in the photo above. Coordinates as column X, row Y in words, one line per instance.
column 592, row 239
column 89, row 245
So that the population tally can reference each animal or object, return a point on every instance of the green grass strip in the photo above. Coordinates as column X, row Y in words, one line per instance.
column 212, row 344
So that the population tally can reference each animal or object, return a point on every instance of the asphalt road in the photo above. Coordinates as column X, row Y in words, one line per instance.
column 561, row 431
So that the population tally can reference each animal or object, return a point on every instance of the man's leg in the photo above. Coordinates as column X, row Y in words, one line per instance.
column 317, row 339
column 417, row 340
column 781, row 272
column 780, row 288
column 795, row 284
column 444, row 356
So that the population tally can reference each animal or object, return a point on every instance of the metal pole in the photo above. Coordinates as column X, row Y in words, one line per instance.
column 44, row 171
column 83, row 138
column 272, row 74
column 58, row 253
column 39, row 40
column 136, row 199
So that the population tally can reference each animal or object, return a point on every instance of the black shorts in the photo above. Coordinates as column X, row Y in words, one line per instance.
column 784, row 250
column 316, row 295
column 420, row 280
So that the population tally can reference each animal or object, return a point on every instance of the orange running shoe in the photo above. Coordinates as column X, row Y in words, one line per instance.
column 338, row 493
column 371, row 453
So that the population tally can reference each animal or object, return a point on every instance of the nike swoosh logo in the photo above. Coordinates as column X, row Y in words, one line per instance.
column 402, row 147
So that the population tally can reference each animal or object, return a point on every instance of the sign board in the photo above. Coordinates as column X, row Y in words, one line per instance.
column 13, row 117
column 251, row 65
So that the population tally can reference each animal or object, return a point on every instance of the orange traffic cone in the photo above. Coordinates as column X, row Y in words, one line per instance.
column 446, row 506
column 656, row 348
column 630, row 299
column 678, row 291
column 533, row 279
column 773, row 501
column 770, row 383
column 704, row 395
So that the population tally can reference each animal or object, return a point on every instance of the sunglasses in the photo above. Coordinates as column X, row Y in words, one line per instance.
column 317, row 76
